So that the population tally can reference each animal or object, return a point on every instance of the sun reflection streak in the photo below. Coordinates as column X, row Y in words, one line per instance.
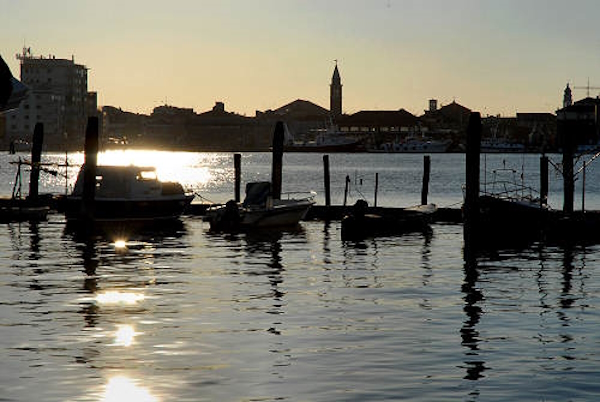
column 121, row 388
column 120, row 244
column 124, row 335
column 116, row 297
column 184, row 167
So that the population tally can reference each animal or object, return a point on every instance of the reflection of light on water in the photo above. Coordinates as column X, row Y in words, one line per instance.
column 115, row 297
column 120, row 244
column 124, row 335
column 184, row 167
column 121, row 388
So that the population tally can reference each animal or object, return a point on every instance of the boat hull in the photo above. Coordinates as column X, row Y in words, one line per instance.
column 358, row 226
column 282, row 215
column 234, row 217
column 127, row 210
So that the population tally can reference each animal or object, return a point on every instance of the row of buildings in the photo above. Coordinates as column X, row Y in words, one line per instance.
column 59, row 98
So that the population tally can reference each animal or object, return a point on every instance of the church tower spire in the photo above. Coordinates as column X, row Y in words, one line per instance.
column 335, row 97
column 567, row 98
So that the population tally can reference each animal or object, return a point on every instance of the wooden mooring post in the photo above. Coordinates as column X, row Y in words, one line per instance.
column 543, row 180
column 276, row 175
column 568, row 146
column 346, row 189
column 425, row 188
column 36, row 158
column 237, row 166
column 376, row 189
column 89, row 167
column 326, row 179
column 471, row 208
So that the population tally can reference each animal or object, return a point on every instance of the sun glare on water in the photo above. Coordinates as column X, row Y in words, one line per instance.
column 116, row 297
column 187, row 168
column 121, row 388
column 124, row 336
column 120, row 244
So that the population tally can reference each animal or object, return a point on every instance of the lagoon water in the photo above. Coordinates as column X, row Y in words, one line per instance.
column 186, row 315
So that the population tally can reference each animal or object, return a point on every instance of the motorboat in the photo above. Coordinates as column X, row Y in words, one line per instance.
column 510, row 212
column 259, row 210
column 126, row 193
column 362, row 223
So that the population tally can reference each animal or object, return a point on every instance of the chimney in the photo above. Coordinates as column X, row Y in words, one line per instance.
column 432, row 105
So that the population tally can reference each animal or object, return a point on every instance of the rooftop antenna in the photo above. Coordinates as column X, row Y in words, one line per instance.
column 587, row 87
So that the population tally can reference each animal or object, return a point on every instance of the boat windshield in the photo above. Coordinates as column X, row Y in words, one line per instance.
column 146, row 175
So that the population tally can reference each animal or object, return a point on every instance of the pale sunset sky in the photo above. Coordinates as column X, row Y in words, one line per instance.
column 492, row 56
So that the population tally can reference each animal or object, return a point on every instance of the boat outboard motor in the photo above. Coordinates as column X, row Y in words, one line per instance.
column 360, row 209
column 228, row 218
column 356, row 225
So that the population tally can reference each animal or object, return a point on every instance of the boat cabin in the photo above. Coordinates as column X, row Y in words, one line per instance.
column 127, row 182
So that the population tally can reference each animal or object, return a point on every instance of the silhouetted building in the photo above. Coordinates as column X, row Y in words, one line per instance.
column 375, row 127
column 220, row 130
column 301, row 117
column 537, row 130
column 380, row 121
column 166, row 127
column 121, row 128
column 449, row 122
column 335, row 96
column 452, row 116
column 579, row 122
column 58, row 98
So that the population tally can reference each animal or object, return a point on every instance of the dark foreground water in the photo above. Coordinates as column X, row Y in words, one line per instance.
column 181, row 314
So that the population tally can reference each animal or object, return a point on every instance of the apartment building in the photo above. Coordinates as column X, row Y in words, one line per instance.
column 58, row 98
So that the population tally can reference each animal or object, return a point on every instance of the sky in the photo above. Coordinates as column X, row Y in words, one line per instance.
column 495, row 57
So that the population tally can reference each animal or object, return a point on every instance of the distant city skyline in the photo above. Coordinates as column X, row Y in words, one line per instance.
column 493, row 57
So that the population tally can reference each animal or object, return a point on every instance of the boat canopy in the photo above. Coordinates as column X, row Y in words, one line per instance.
column 121, row 181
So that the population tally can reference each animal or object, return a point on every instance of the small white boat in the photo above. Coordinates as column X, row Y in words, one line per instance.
column 126, row 193
column 258, row 210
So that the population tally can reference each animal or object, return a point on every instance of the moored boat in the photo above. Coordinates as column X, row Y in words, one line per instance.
column 126, row 193
column 21, row 210
column 511, row 213
column 361, row 224
column 258, row 210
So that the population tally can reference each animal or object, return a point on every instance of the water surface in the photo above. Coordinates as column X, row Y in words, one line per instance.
column 183, row 314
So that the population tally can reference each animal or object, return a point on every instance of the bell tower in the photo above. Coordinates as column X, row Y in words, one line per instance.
column 567, row 97
column 335, row 97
